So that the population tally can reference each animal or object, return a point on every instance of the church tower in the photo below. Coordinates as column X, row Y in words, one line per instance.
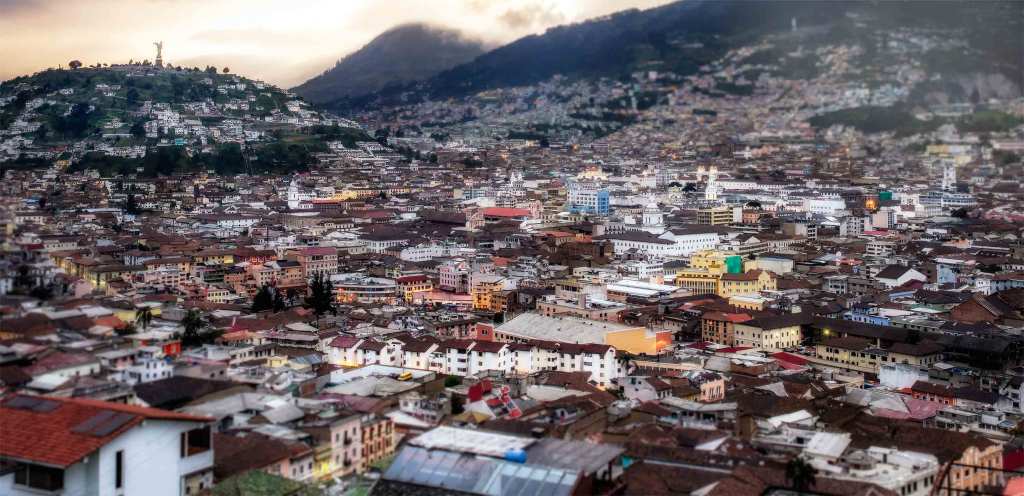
column 949, row 176
column 711, row 189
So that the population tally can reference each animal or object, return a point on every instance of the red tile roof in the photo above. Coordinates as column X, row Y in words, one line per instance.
column 46, row 435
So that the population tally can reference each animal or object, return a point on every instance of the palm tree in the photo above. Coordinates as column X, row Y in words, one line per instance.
column 144, row 317
column 800, row 474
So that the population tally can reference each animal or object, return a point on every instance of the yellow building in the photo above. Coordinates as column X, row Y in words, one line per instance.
column 715, row 216
column 214, row 257
column 410, row 285
column 749, row 282
column 749, row 302
column 711, row 260
column 698, row 281
column 850, row 353
column 490, row 296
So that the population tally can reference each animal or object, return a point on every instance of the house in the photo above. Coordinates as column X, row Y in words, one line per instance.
column 895, row 276
column 80, row 446
column 252, row 451
column 1004, row 307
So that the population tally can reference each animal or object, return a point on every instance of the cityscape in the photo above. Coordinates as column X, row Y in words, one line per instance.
column 702, row 247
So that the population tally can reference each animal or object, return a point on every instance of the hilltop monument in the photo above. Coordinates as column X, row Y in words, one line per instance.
column 159, row 53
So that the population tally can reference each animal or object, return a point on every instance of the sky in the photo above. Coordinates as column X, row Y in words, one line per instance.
column 283, row 42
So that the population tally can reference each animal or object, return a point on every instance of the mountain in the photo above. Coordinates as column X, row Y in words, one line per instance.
column 405, row 53
column 682, row 36
column 158, row 121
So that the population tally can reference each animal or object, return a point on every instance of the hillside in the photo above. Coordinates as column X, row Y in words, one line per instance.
column 405, row 53
column 682, row 36
column 129, row 118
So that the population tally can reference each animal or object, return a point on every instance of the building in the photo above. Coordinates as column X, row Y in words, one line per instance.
column 587, row 198
column 749, row 282
column 531, row 326
column 83, row 446
column 317, row 260
column 717, row 216
column 770, row 334
column 720, row 328
column 365, row 289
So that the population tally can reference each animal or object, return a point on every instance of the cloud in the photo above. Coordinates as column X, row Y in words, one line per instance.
column 531, row 16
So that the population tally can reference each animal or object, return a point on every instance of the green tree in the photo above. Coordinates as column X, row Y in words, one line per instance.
column 194, row 324
column 144, row 317
column 279, row 303
column 131, row 205
column 800, row 474
column 42, row 292
column 24, row 277
column 264, row 299
column 458, row 405
column 138, row 130
column 321, row 295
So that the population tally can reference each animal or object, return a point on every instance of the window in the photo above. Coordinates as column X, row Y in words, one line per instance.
column 39, row 477
column 119, row 469
column 195, row 441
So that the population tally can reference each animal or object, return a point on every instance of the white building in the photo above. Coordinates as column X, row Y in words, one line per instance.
column 671, row 243
column 80, row 446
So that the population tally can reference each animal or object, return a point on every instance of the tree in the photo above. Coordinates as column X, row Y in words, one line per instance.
column 42, row 292
column 131, row 205
column 41, row 132
column 458, row 405
column 264, row 299
column 138, row 130
column 800, row 474
column 75, row 64
column 321, row 295
column 144, row 317
column 226, row 70
column 24, row 277
column 193, row 323
column 279, row 304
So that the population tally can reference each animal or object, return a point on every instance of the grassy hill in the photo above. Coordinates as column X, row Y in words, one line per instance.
column 160, row 121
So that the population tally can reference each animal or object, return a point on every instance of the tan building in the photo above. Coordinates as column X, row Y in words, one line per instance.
column 716, row 216
column 752, row 281
column 770, row 333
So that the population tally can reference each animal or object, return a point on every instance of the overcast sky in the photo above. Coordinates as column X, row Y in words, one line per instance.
column 281, row 41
